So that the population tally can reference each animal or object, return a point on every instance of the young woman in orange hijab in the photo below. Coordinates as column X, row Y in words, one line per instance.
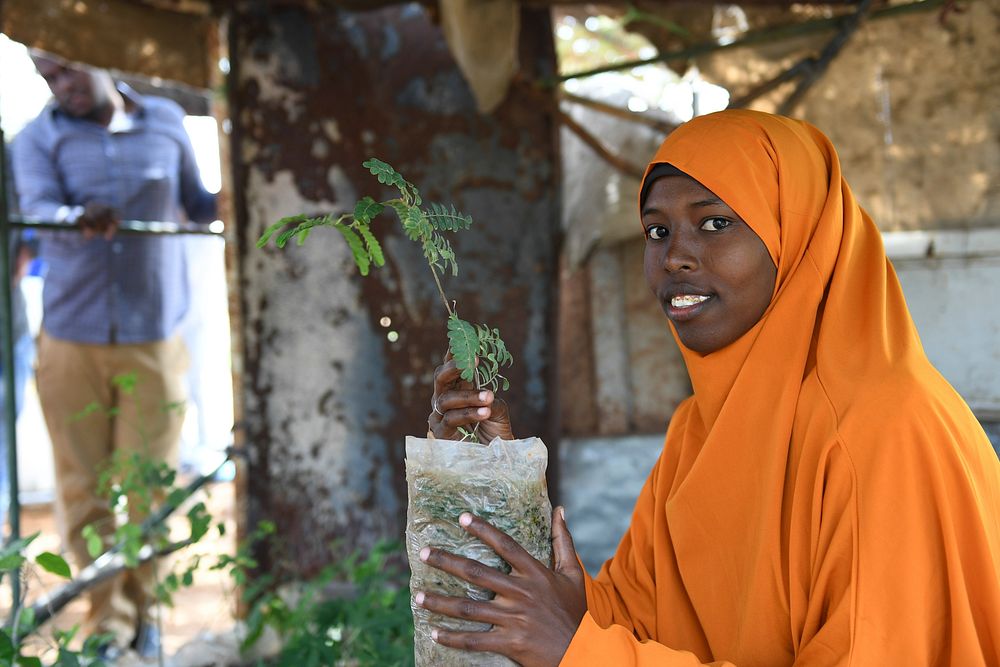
column 824, row 497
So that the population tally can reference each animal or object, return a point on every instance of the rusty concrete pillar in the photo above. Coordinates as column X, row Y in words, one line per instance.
column 328, row 398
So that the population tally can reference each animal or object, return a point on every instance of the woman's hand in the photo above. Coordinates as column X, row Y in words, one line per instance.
column 456, row 403
column 536, row 610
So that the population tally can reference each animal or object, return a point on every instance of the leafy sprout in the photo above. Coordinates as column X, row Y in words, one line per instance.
column 426, row 226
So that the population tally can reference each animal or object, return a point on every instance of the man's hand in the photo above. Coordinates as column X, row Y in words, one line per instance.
column 536, row 610
column 97, row 219
column 456, row 403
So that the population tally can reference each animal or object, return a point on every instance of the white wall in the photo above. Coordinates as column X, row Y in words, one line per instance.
column 951, row 280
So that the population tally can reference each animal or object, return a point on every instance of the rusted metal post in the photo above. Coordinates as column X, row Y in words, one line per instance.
column 329, row 397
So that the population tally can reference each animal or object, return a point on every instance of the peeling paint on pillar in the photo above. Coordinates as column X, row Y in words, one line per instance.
column 328, row 398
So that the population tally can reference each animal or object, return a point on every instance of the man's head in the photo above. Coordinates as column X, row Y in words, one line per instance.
column 80, row 91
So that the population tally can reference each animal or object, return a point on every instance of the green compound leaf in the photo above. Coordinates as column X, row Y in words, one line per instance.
column 447, row 219
column 280, row 224
column 357, row 248
column 301, row 230
column 415, row 224
column 463, row 343
column 493, row 355
column 367, row 210
column 384, row 172
column 372, row 245
column 438, row 251
column 386, row 175
column 53, row 563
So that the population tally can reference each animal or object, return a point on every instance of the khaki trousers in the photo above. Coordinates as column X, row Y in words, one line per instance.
column 72, row 376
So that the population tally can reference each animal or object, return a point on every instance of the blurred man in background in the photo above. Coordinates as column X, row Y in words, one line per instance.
column 97, row 154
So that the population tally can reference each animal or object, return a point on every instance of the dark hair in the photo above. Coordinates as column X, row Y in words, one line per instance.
column 658, row 171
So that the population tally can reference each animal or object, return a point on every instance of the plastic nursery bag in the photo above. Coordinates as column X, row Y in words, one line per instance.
column 504, row 483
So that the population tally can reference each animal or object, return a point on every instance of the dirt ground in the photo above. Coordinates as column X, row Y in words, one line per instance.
column 206, row 606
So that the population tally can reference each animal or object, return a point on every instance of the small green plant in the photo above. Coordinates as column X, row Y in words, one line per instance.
column 478, row 350
column 133, row 484
column 15, row 562
column 371, row 626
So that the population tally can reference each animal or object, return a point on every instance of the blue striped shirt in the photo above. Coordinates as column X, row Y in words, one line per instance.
column 131, row 289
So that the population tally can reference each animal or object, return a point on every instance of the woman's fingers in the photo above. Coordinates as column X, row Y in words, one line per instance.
column 464, row 417
column 564, row 560
column 492, row 640
column 446, row 376
column 463, row 608
column 503, row 544
column 456, row 399
column 466, row 569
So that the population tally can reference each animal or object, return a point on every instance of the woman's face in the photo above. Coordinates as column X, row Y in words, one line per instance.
column 711, row 273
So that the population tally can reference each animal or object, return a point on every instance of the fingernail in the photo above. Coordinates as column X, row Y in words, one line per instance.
column 434, row 634
column 465, row 519
column 483, row 412
column 419, row 598
column 562, row 513
column 425, row 553
column 484, row 396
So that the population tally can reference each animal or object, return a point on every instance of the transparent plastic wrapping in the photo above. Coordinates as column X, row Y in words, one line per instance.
column 504, row 483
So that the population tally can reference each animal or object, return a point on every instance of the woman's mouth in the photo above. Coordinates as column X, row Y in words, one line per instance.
column 683, row 307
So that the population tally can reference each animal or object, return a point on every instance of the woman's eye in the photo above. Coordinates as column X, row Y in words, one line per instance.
column 656, row 232
column 715, row 224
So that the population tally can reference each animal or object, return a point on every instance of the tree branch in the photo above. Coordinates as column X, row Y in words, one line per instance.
column 586, row 137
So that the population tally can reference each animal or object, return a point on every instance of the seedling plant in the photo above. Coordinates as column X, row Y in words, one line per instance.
column 477, row 349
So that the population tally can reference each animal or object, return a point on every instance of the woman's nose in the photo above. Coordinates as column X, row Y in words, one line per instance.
column 681, row 254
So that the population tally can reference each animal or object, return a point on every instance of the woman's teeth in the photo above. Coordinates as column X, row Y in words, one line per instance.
column 687, row 300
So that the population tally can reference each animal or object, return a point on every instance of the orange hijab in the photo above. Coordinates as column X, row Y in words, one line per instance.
column 824, row 497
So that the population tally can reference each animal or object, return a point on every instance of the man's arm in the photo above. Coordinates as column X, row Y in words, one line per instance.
column 40, row 194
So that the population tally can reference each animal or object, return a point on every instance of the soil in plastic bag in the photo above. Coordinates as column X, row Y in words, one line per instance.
column 504, row 483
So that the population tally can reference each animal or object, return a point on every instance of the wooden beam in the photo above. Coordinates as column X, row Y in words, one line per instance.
column 753, row 38
column 117, row 34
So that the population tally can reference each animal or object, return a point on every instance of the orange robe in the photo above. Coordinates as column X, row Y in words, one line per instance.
column 824, row 497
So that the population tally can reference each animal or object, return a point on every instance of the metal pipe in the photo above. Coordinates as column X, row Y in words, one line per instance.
column 7, row 359
column 127, row 226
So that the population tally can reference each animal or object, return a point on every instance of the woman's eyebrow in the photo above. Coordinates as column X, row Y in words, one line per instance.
column 711, row 201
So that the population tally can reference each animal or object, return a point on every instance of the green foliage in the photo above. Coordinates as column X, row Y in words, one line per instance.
column 447, row 219
column 479, row 353
column 242, row 563
column 12, row 556
column 133, row 484
column 371, row 627
column 23, row 623
column 126, row 382
column 468, row 342
column 95, row 543
column 53, row 563
column 463, row 343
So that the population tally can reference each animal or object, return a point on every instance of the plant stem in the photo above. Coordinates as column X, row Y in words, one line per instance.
column 437, row 282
